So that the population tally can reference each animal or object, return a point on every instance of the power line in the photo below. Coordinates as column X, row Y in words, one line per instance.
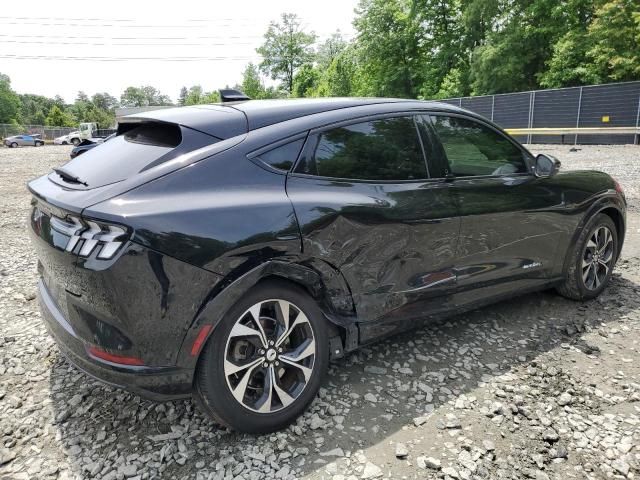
column 126, row 59
column 102, row 19
column 80, row 44
column 205, row 37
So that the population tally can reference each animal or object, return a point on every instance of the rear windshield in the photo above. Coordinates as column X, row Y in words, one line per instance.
column 136, row 148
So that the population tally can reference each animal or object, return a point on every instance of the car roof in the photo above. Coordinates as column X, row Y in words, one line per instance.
column 261, row 113
column 226, row 120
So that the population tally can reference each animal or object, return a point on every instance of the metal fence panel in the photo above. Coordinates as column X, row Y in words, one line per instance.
column 555, row 108
column 480, row 105
column 610, row 105
column 618, row 102
column 513, row 110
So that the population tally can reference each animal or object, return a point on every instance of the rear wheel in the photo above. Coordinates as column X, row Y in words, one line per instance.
column 265, row 360
column 39, row 144
column 592, row 260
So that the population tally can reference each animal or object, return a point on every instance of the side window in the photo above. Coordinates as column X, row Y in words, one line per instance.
column 385, row 149
column 282, row 157
column 473, row 149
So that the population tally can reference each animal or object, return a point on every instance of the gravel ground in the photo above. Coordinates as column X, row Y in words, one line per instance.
column 538, row 387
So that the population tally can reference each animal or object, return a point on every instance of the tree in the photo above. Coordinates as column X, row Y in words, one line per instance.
column 615, row 38
column 9, row 100
column 515, row 53
column 182, row 98
column 569, row 65
column 305, row 81
column 143, row 97
column 82, row 97
column 33, row 108
column 59, row 118
column 389, row 48
column 330, row 49
column 285, row 49
column 342, row 77
column 252, row 85
column 104, row 101
column 196, row 96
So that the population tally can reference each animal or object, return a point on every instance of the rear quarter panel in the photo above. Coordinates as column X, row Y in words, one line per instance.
column 224, row 214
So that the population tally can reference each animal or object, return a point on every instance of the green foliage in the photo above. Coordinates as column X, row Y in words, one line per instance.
column 197, row 96
column 330, row 49
column 9, row 101
column 614, row 36
column 182, row 98
column 104, row 101
column 404, row 48
column 305, row 81
column 285, row 49
column 59, row 118
column 390, row 53
column 143, row 97
column 252, row 85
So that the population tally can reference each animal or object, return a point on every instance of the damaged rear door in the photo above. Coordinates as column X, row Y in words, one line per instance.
column 366, row 204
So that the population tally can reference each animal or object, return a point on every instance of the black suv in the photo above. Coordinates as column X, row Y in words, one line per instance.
column 230, row 251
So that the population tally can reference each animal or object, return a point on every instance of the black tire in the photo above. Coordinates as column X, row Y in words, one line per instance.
column 212, row 389
column 39, row 144
column 574, row 286
column 65, row 143
column 75, row 141
column 14, row 145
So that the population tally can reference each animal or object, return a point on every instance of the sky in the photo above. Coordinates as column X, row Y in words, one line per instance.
column 59, row 48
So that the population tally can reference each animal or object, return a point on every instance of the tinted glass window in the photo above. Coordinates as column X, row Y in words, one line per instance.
column 138, row 148
column 473, row 149
column 386, row 149
column 284, row 156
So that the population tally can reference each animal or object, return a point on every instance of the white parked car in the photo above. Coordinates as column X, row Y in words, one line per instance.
column 72, row 138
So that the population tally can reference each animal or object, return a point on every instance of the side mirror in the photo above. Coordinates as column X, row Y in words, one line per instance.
column 546, row 165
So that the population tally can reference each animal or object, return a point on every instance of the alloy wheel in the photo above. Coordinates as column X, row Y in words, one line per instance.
column 269, row 356
column 597, row 259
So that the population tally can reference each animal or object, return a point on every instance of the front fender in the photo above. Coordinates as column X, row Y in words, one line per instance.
column 607, row 200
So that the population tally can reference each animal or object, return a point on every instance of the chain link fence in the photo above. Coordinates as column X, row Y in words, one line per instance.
column 610, row 105
column 47, row 133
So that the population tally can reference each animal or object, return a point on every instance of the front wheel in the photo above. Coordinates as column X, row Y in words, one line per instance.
column 265, row 360
column 75, row 141
column 592, row 260
column 14, row 145
column 39, row 144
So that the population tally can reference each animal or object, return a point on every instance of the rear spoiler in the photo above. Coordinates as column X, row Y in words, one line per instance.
column 218, row 121
column 230, row 95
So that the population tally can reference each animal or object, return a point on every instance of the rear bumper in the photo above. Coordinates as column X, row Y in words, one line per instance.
column 154, row 383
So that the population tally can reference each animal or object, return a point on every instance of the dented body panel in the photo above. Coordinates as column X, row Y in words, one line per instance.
column 214, row 220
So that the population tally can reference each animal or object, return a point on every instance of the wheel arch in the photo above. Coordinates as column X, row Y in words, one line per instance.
column 321, row 281
column 608, row 206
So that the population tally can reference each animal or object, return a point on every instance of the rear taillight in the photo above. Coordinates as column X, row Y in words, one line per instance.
column 100, row 354
column 618, row 187
column 90, row 236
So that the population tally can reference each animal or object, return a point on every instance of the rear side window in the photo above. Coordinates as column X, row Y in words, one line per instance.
column 135, row 149
column 386, row 149
column 156, row 135
column 473, row 149
column 284, row 156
